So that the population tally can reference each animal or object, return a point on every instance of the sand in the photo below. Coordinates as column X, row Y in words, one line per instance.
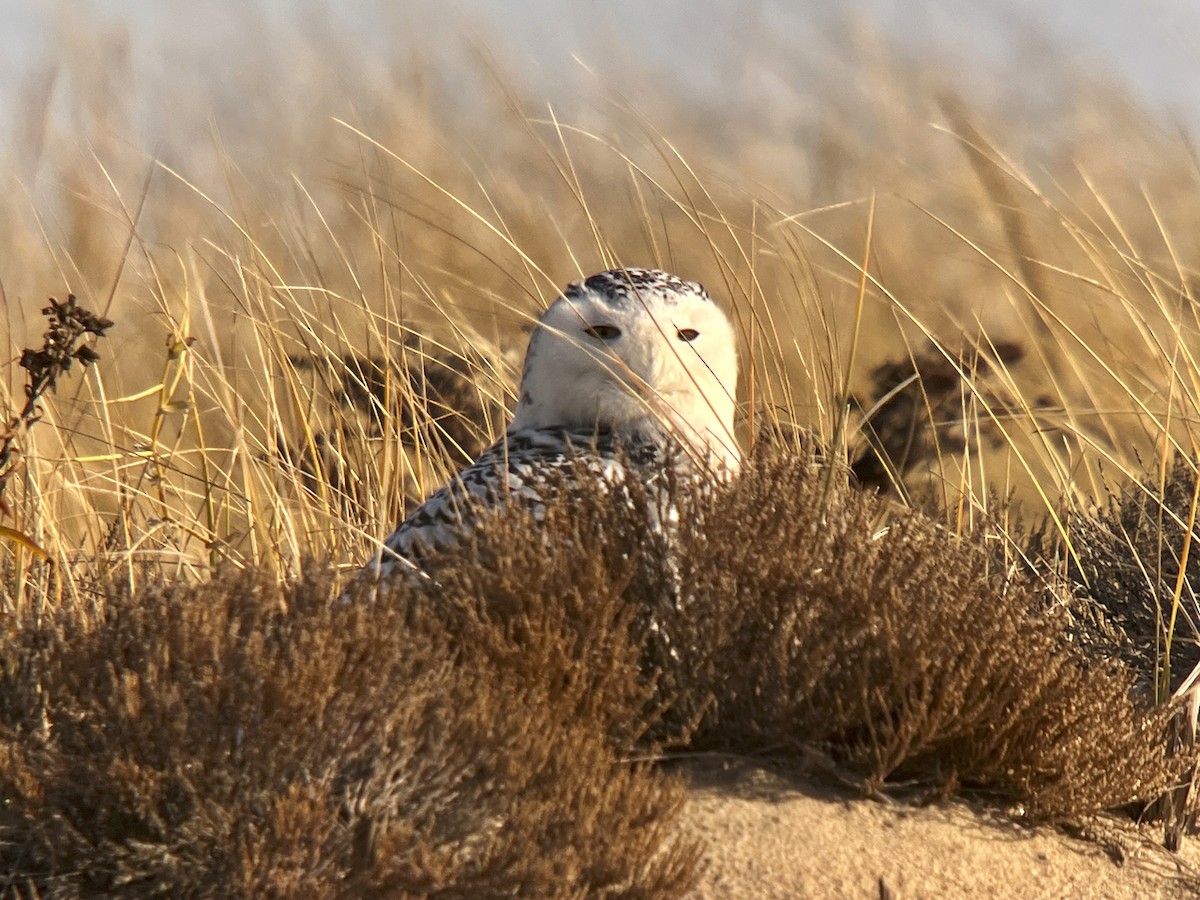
column 770, row 836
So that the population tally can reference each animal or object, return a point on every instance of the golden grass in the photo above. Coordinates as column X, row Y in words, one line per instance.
column 496, row 732
column 271, row 391
column 221, row 284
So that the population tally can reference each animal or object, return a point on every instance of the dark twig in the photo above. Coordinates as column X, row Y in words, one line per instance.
column 69, row 323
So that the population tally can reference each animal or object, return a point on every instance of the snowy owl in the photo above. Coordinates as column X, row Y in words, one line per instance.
column 628, row 372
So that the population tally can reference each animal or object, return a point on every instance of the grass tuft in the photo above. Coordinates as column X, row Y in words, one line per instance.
column 494, row 732
column 901, row 655
column 245, row 740
column 1006, row 295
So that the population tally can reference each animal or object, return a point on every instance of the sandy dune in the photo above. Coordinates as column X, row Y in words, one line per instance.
column 775, row 837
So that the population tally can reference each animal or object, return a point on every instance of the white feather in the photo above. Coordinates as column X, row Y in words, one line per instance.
column 630, row 371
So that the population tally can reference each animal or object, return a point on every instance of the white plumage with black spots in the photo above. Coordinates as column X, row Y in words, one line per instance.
column 630, row 372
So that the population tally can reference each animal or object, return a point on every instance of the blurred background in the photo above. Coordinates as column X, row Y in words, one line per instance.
column 732, row 52
column 284, row 188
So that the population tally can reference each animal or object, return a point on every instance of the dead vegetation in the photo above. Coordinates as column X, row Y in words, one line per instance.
column 236, row 739
column 919, row 412
column 63, row 344
column 494, row 735
column 904, row 657
column 1135, row 564
column 425, row 396
column 184, row 709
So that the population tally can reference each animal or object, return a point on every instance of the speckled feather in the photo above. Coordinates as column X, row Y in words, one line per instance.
column 518, row 469
column 620, row 435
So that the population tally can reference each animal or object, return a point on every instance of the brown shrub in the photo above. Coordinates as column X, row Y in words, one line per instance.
column 237, row 739
column 1130, row 591
column 1126, row 568
column 479, row 734
column 898, row 654
column 786, row 620
column 430, row 395
column 917, row 412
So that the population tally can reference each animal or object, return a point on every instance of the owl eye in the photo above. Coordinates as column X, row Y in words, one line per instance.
column 687, row 335
column 603, row 332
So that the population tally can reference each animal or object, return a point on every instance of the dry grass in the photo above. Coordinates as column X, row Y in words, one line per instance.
column 903, row 656
column 238, row 739
column 493, row 734
column 319, row 318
